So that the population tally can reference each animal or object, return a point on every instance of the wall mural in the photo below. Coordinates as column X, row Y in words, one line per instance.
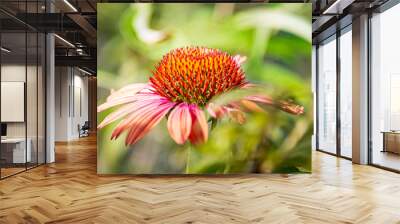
column 204, row 88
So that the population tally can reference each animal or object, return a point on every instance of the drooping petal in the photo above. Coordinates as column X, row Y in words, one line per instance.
column 180, row 123
column 199, row 132
column 140, row 127
column 248, row 85
column 282, row 105
column 237, row 115
column 211, row 110
column 234, row 105
column 216, row 111
column 291, row 107
column 262, row 99
column 249, row 105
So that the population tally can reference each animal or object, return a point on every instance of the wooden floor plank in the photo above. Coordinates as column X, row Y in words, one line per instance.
column 70, row 191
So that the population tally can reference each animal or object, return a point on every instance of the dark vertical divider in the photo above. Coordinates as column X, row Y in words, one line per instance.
column 338, row 76
column 369, row 125
column 26, row 86
column 317, row 96
column 37, row 90
column 92, row 98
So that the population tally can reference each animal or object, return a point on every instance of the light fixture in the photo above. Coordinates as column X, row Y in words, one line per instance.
column 65, row 41
column 84, row 71
column 331, row 7
column 70, row 5
column 5, row 50
column 337, row 7
column 80, row 51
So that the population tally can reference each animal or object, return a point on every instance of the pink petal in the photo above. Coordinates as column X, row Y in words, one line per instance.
column 216, row 111
column 129, row 90
column 234, row 105
column 118, row 114
column 122, row 96
column 248, row 85
column 211, row 110
column 137, row 115
column 199, row 132
column 127, row 99
column 180, row 123
column 261, row 99
column 116, row 102
column 140, row 128
column 129, row 108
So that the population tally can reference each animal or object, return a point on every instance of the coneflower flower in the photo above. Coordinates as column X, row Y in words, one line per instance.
column 181, row 88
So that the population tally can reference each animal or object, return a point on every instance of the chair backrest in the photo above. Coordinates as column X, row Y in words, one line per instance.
column 86, row 124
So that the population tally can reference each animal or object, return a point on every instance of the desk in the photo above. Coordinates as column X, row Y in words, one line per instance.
column 391, row 141
column 16, row 147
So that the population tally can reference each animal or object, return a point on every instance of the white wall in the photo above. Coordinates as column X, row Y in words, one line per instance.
column 71, row 102
column 16, row 73
column 80, row 103
column 62, row 81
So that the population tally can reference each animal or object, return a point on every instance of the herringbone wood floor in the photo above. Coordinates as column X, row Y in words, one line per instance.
column 69, row 191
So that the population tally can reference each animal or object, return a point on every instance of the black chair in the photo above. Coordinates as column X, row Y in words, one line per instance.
column 84, row 130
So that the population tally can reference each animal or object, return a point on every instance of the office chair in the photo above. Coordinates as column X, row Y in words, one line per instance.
column 84, row 130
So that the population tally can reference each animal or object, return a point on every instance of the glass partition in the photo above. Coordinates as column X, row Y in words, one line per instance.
column 385, row 89
column 346, row 93
column 22, row 77
column 327, row 95
column 13, row 95
column 31, row 97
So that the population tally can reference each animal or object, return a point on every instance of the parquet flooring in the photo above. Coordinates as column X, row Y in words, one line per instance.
column 11, row 170
column 70, row 191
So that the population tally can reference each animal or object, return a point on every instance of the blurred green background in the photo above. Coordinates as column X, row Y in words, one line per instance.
column 276, row 38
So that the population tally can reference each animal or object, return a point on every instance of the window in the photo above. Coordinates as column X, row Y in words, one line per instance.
column 327, row 96
column 346, row 92
column 385, row 89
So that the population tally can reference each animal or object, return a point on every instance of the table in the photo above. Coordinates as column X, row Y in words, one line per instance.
column 391, row 141
column 17, row 150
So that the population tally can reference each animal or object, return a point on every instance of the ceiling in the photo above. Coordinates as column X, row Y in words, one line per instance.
column 331, row 15
column 75, row 22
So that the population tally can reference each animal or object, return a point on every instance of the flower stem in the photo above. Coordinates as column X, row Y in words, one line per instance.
column 189, row 149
